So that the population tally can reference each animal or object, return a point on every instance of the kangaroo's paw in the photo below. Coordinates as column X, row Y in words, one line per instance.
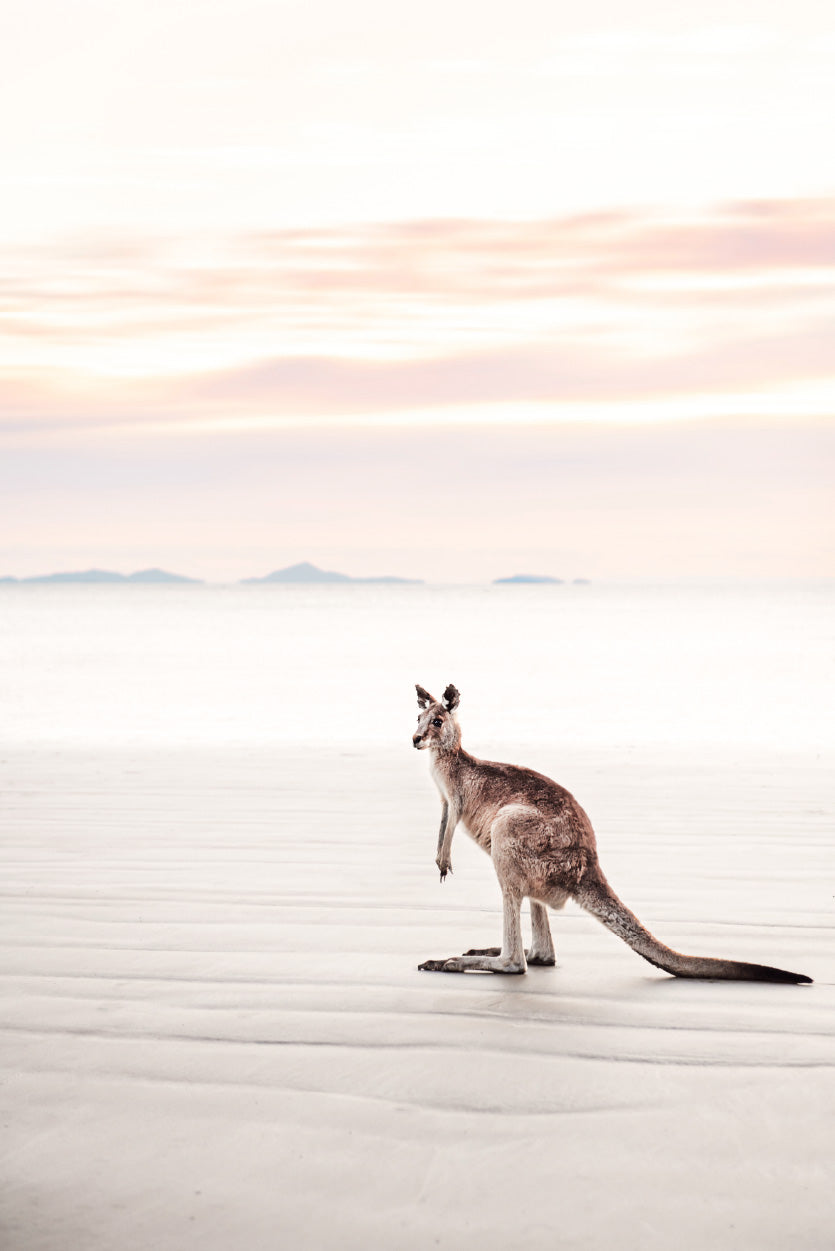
column 533, row 957
column 472, row 964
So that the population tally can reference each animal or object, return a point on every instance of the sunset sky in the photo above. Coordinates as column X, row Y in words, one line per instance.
column 450, row 290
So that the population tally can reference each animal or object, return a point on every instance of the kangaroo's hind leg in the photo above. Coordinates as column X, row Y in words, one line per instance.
column 511, row 956
column 541, row 950
column 542, row 945
column 508, row 855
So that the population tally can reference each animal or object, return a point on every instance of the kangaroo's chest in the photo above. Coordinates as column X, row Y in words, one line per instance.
column 441, row 780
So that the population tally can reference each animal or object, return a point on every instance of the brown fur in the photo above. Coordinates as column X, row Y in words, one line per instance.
column 543, row 848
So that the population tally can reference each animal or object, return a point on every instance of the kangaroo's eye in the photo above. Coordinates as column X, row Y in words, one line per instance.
column 437, row 721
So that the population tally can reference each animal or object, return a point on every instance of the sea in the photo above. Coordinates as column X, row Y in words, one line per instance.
column 692, row 667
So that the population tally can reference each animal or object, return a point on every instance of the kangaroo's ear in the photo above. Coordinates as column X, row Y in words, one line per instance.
column 424, row 698
column 452, row 698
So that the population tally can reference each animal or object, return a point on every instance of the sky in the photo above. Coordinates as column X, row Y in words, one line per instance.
column 451, row 291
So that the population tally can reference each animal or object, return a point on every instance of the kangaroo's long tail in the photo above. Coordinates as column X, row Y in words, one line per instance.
column 597, row 897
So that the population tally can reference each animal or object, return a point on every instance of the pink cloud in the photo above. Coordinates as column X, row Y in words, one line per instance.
column 351, row 289
column 298, row 386
column 460, row 260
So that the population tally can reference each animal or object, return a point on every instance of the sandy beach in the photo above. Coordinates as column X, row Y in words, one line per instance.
column 215, row 1035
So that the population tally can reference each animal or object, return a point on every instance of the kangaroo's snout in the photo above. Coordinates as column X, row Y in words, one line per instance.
column 416, row 739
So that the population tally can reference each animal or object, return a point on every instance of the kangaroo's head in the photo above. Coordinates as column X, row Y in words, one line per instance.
column 437, row 727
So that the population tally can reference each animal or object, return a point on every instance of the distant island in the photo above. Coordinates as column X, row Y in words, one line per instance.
column 529, row 577
column 105, row 575
column 305, row 572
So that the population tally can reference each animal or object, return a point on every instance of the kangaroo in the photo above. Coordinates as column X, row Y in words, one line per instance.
column 543, row 848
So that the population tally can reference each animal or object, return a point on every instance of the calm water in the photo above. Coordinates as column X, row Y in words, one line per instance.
column 736, row 666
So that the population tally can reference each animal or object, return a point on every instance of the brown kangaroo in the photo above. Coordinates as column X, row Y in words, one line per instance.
column 543, row 848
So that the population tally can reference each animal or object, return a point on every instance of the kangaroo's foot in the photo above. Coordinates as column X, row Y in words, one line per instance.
column 532, row 957
column 474, row 963
column 546, row 960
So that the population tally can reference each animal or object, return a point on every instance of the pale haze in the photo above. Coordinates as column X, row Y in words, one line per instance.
column 450, row 293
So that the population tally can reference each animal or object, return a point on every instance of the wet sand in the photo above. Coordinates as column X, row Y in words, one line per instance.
column 214, row 1033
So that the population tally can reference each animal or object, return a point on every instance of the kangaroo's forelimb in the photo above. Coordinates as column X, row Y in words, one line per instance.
column 449, row 820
